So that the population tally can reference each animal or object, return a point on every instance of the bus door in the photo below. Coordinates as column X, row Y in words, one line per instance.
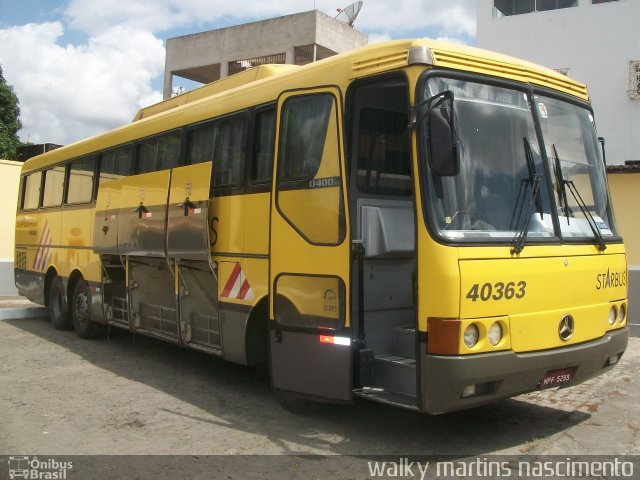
column 188, row 246
column 310, row 340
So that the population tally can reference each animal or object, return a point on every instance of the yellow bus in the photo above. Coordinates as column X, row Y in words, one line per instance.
column 416, row 223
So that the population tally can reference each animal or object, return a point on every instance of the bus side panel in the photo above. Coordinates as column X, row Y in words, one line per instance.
column 76, row 242
column 143, row 206
column 29, row 282
column 105, row 234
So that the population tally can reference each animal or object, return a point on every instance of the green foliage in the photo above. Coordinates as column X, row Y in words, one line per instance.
column 9, row 120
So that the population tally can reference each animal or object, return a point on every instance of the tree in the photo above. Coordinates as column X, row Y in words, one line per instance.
column 9, row 120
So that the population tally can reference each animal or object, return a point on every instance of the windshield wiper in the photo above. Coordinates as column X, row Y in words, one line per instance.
column 562, row 184
column 532, row 180
column 562, row 191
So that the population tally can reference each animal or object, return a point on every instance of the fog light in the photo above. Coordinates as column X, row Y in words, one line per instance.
column 622, row 313
column 471, row 335
column 613, row 359
column 469, row 391
column 495, row 334
column 613, row 314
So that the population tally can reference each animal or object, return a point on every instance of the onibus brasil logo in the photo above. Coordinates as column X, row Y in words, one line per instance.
column 32, row 468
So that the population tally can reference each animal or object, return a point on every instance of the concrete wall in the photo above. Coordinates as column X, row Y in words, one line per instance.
column 257, row 39
column 9, row 184
column 595, row 42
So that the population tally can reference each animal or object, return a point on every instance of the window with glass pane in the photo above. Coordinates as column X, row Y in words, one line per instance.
column 500, row 161
column 53, row 187
column 384, row 153
column 574, row 156
column 115, row 164
column 159, row 153
column 263, row 146
column 229, row 152
column 309, row 182
column 81, row 173
column 512, row 7
column 32, row 191
column 543, row 5
column 200, row 144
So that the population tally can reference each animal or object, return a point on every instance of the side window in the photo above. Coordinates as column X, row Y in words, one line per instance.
column 200, row 144
column 229, row 151
column 384, row 153
column 31, row 189
column 115, row 164
column 159, row 153
column 80, row 183
column 53, row 186
column 263, row 146
column 309, row 193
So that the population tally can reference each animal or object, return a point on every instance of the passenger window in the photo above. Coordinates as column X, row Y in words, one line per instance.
column 384, row 153
column 200, row 144
column 263, row 146
column 159, row 153
column 80, row 184
column 53, row 187
column 229, row 152
column 115, row 164
column 31, row 189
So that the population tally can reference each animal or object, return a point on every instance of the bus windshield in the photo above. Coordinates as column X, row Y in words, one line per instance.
column 502, row 189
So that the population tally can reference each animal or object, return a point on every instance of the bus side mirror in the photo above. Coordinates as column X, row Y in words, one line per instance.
column 444, row 154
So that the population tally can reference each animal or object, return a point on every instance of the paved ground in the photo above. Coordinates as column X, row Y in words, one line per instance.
column 61, row 395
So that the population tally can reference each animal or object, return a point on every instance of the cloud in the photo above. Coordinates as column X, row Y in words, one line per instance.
column 450, row 17
column 70, row 92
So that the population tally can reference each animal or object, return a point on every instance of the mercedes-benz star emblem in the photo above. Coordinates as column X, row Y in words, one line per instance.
column 566, row 327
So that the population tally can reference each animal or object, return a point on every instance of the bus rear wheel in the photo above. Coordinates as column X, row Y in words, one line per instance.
column 81, row 312
column 58, row 312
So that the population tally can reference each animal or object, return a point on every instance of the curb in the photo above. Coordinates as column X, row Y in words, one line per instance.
column 23, row 312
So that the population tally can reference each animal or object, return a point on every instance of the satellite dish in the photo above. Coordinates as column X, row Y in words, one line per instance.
column 349, row 13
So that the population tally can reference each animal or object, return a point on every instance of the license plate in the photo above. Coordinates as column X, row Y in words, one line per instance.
column 555, row 378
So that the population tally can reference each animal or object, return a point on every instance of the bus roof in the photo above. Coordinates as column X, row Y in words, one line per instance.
column 345, row 67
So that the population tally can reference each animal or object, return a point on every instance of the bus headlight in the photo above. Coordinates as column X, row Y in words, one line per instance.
column 622, row 313
column 471, row 335
column 495, row 334
column 613, row 314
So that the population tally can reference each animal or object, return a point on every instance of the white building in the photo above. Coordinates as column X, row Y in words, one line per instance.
column 594, row 41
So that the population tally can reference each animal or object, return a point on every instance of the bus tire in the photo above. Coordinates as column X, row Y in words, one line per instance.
column 81, row 312
column 58, row 311
column 295, row 404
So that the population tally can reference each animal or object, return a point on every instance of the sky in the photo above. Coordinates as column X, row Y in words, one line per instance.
column 81, row 67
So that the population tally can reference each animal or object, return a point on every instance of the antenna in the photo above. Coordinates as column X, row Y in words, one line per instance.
column 349, row 13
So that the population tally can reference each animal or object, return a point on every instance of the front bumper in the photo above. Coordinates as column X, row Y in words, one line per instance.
column 508, row 373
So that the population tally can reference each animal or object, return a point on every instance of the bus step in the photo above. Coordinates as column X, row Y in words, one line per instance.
column 206, row 349
column 404, row 340
column 158, row 334
column 395, row 373
column 384, row 396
